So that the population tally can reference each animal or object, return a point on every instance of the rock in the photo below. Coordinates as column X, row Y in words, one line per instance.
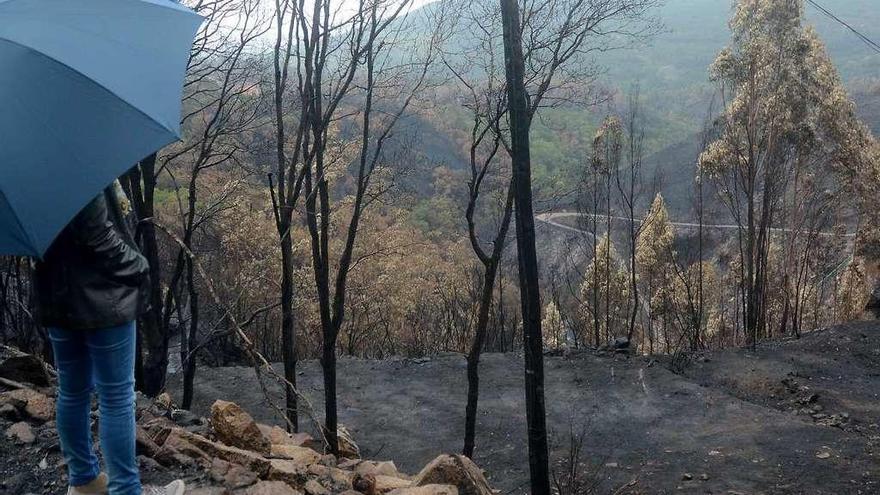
column 340, row 479
column 144, row 443
column 349, row 463
column 319, row 470
column 687, row 476
column 387, row 468
column 9, row 412
column 22, row 432
column 426, row 490
column 269, row 488
column 386, row 484
column 178, row 443
column 278, row 436
column 237, row 428
column 20, row 367
column 704, row 477
column 290, row 472
column 347, row 447
column 33, row 403
column 456, row 470
column 301, row 455
column 182, row 417
column 147, row 463
column 303, row 439
column 239, row 477
column 313, row 487
column 218, row 469
column 233, row 476
column 207, row 490
column 251, row 460
column 364, row 483
column 163, row 401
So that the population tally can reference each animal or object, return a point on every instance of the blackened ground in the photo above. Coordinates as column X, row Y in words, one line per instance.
column 736, row 421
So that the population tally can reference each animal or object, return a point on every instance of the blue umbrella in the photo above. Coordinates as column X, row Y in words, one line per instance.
column 87, row 89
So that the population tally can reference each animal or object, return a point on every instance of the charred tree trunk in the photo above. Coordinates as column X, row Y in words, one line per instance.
column 288, row 334
column 473, row 359
column 153, row 335
column 528, row 260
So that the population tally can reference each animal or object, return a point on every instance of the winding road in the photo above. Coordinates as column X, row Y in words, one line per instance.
column 552, row 218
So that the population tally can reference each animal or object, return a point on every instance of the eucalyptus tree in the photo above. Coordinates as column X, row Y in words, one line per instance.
column 787, row 131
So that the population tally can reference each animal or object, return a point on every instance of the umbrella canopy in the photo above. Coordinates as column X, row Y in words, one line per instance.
column 87, row 89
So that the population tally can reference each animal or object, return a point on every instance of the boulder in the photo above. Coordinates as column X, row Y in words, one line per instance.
column 386, row 468
column 279, row 436
column 237, row 428
column 231, row 475
column 239, row 477
column 300, row 455
column 302, row 439
column 338, row 478
column 22, row 432
column 290, row 472
column 386, row 484
column 251, row 460
column 176, row 449
column 426, row 490
column 33, row 403
column 26, row 368
column 314, row 487
column 364, row 483
column 456, row 470
column 269, row 488
column 218, row 469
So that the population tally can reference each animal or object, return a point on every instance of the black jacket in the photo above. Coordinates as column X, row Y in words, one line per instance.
column 92, row 276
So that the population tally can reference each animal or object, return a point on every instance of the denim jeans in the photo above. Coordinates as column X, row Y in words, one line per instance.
column 102, row 359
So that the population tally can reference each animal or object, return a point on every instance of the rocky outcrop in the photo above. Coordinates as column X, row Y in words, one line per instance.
column 232, row 454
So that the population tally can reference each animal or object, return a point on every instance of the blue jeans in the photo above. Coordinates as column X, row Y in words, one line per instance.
column 102, row 359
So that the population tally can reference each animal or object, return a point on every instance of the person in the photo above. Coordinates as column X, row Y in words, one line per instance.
column 90, row 288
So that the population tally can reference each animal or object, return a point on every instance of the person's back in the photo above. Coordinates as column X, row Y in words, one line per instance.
column 90, row 291
column 90, row 277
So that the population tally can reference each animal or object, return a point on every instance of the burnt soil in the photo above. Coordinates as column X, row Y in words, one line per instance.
column 797, row 416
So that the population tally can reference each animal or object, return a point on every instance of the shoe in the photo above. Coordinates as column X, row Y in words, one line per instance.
column 97, row 486
column 176, row 487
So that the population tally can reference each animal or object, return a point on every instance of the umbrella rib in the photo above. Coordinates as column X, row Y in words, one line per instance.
column 96, row 83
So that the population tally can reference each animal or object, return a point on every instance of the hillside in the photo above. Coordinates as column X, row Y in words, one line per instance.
column 792, row 417
column 671, row 69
